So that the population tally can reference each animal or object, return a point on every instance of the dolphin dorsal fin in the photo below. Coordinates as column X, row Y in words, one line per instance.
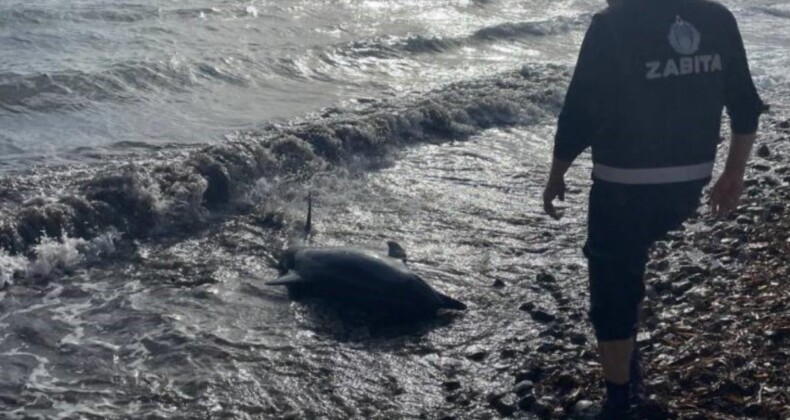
column 308, row 225
column 396, row 251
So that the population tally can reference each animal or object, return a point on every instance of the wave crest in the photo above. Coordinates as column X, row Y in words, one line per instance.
column 175, row 195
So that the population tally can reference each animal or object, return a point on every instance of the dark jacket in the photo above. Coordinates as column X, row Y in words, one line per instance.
column 652, row 79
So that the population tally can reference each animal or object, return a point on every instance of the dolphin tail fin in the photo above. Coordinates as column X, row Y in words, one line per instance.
column 288, row 279
column 450, row 303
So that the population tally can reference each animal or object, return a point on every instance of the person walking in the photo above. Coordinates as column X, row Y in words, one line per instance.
column 647, row 95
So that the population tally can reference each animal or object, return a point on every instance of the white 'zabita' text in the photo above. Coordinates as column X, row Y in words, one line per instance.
column 706, row 63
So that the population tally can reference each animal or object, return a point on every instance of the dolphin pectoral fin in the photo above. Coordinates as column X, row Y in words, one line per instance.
column 396, row 251
column 290, row 278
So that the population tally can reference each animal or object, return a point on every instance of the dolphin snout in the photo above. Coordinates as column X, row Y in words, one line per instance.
column 450, row 303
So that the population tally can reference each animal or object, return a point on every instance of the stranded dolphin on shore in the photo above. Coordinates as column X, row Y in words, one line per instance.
column 362, row 278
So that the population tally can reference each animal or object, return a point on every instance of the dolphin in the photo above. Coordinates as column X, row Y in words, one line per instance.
column 363, row 278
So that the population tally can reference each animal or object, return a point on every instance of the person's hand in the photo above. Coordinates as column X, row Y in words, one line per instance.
column 555, row 188
column 726, row 194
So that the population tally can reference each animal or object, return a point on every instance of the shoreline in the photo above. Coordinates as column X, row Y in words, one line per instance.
column 726, row 354
column 715, row 330
column 543, row 361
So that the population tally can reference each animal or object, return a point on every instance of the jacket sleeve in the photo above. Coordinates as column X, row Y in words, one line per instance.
column 593, row 83
column 741, row 99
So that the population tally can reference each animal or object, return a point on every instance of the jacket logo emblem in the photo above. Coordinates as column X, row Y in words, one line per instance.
column 684, row 37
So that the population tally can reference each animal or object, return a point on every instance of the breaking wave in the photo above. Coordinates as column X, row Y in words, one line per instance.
column 395, row 47
column 52, row 256
column 776, row 10
column 154, row 197
column 73, row 89
column 123, row 13
column 513, row 30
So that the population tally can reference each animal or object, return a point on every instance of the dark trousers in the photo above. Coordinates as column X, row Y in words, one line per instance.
column 624, row 221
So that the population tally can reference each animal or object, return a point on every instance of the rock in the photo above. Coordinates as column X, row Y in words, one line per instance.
column 526, row 402
column 754, row 410
column 689, row 270
column 546, row 347
column 776, row 208
column 526, row 307
column 661, row 285
column 650, row 292
column 545, row 278
column 732, row 242
column 524, row 387
column 744, row 220
column 542, row 316
column 696, row 278
column 504, row 404
column 566, row 381
column 534, row 374
column 477, row 354
column 771, row 181
column 508, row 353
column 759, row 246
column 763, row 151
column 585, row 409
column 498, row 284
column 578, row 338
column 761, row 167
column 660, row 265
column 552, row 331
column 678, row 288
column 699, row 292
column 10, row 400
column 544, row 407
column 778, row 335
column 451, row 386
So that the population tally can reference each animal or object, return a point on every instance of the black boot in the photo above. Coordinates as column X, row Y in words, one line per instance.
column 612, row 412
